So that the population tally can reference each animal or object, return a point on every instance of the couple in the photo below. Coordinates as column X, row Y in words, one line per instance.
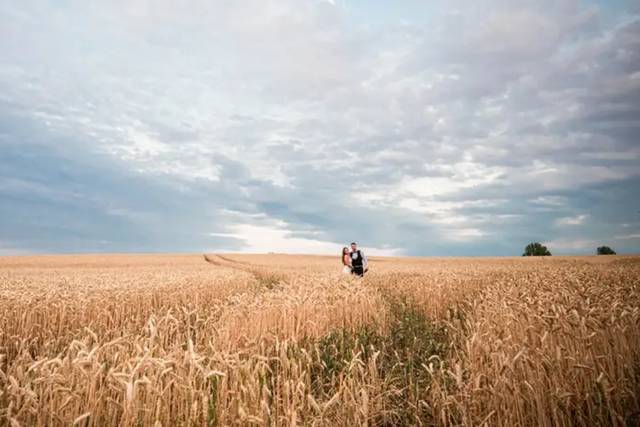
column 354, row 261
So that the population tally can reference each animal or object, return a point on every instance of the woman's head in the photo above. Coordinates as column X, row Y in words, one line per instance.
column 345, row 251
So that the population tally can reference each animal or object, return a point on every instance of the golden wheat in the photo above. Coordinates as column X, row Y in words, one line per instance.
column 286, row 340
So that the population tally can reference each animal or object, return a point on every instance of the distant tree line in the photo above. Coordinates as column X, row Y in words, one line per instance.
column 537, row 249
column 605, row 250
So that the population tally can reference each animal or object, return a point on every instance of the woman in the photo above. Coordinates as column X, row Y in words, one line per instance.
column 346, row 261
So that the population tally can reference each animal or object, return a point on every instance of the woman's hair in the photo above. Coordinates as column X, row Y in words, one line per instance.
column 344, row 251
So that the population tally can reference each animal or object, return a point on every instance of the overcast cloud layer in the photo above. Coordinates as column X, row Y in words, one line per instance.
column 418, row 128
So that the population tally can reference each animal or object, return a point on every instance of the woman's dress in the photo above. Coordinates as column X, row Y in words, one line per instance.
column 346, row 269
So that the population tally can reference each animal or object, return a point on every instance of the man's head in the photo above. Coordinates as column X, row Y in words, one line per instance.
column 354, row 246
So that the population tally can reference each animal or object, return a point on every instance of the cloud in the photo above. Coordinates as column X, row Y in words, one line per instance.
column 571, row 220
column 441, row 129
column 628, row 237
column 571, row 245
column 278, row 238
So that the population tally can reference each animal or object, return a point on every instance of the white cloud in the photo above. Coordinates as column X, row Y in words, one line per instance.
column 549, row 200
column 278, row 238
column 571, row 244
column 462, row 175
column 571, row 220
column 628, row 236
column 464, row 234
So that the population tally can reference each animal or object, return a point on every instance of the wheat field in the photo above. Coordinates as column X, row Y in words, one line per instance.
column 277, row 340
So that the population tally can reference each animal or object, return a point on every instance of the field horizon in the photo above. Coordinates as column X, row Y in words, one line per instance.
column 321, row 255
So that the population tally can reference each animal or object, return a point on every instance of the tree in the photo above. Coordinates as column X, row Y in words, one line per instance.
column 605, row 250
column 536, row 249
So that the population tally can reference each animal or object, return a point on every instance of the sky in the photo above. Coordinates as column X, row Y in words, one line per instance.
column 434, row 128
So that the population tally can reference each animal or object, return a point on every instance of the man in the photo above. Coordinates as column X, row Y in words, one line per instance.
column 358, row 260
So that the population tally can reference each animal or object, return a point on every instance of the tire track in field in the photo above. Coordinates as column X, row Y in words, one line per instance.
column 269, row 279
column 233, row 261
column 211, row 260
column 221, row 261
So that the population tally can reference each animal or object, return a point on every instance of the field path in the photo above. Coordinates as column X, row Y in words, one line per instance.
column 266, row 276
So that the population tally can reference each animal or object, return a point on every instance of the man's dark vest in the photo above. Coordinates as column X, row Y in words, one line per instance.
column 357, row 261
